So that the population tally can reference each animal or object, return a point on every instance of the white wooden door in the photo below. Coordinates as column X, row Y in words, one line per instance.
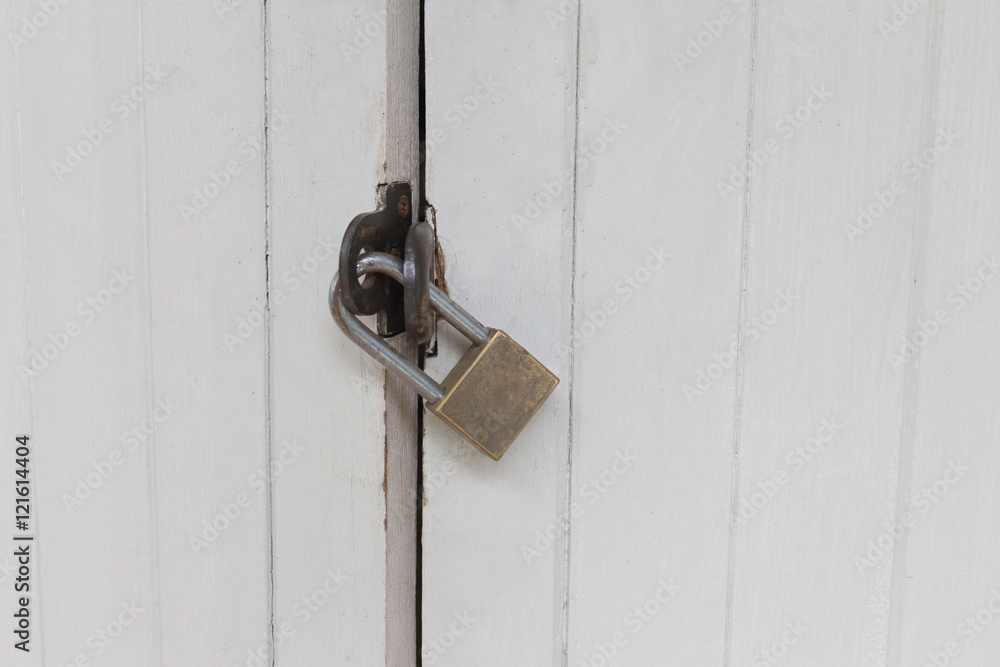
column 756, row 240
column 208, row 453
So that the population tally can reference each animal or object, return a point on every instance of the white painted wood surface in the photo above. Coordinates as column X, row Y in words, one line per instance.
column 254, row 512
column 348, row 509
column 500, row 125
column 327, row 68
column 822, row 416
column 658, row 281
column 742, row 404
column 773, row 439
column 945, row 575
column 144, row 424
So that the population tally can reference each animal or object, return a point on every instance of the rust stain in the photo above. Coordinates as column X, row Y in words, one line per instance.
column 385, row 469
column 439, row 268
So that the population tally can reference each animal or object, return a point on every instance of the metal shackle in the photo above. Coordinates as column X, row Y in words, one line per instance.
column 367, row 340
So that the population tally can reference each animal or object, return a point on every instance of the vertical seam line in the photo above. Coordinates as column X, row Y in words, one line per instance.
column 738, row 402
column 421, row 202
column 268, row 334
column 153, row 492
column 911, row 379
column 568, row 514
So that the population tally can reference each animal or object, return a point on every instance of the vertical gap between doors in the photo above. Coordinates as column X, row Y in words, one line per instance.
column 421, row 351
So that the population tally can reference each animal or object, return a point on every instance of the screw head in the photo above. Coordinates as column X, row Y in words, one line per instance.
column 404, row 207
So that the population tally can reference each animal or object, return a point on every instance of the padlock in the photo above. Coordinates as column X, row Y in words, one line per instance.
column 493, row 391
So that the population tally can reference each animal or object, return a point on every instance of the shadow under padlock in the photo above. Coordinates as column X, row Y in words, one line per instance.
column 492, row 392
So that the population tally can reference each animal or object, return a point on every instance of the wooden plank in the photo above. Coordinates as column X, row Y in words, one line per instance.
column 659, row 250
column 821, row 412
column 500, row 127
column 944, row 572
column 207, row 275
column 145, row 423
column 344, row 514
column 402, row 474
column 85, row 356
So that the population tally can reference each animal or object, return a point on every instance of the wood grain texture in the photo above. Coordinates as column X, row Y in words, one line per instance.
column 659, row 256
column 96, row 549
column 500, row 126
column 756, row 240
column 145, row 424
column 208, row 275
column 821, row 411
column 198, row 378
column 402, row 163
column 346, row 75
column 783, row 454
column 945, row 576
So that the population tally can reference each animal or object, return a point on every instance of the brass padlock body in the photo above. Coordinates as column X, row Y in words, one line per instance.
column 493, row 392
